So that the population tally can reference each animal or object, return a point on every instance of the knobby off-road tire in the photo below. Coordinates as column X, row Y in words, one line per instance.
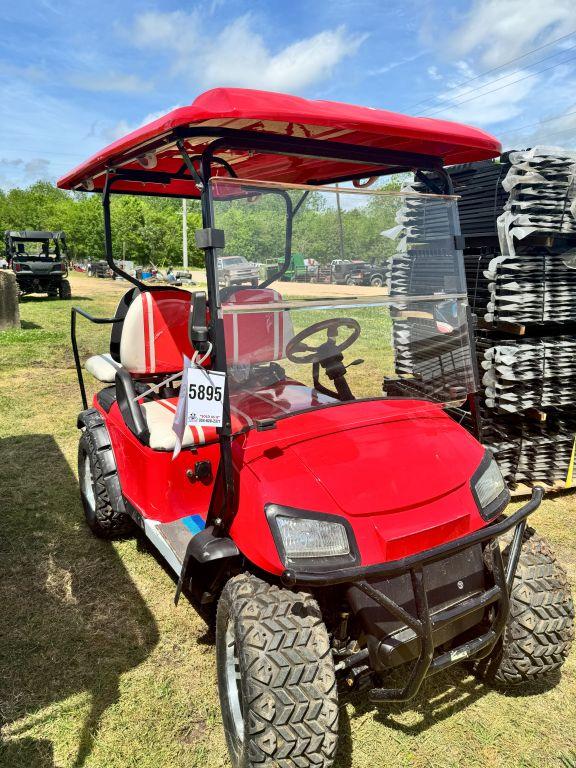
column 540, row 627
column 281, row 707
column 64, row 290
column 97, row 477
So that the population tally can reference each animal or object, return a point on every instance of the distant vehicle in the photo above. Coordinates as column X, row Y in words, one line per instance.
column 38, row 259
column 99, row 268
column 236, row 270
column 369, row 274
column 342, row 269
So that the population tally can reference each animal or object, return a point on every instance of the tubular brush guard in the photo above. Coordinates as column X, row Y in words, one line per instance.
column 424, row 623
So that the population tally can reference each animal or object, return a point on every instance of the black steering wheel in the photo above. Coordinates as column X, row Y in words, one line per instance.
column 299, row 352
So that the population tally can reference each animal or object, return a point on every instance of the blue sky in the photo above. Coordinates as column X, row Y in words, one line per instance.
column 74, row 75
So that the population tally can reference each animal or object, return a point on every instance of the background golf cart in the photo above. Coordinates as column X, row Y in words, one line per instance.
column 38, row 259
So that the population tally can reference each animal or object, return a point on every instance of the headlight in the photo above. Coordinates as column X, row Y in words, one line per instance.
column 489, row 488
column 302, row 535
column 312, row 538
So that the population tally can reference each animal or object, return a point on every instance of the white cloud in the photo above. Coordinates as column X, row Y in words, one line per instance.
column 239, row 55
column 434, row 74
column 394, row 64
column 500, row 30
column 122, row 127
column 111, row 82
column 549, row 131
column 18, row 171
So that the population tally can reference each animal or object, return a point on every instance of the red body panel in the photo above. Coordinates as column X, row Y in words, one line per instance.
column 398, row 470
column 285, row 115
column 154, row 483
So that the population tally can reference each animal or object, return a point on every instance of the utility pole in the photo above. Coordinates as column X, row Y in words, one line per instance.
column 340, row 227
column 184, row 233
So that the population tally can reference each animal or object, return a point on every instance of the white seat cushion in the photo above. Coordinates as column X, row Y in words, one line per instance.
column 102, row 367
column 159, row 415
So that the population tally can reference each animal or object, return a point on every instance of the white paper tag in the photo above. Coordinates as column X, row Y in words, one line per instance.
column 205, row 397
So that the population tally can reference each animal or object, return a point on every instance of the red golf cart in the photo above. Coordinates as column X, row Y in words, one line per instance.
column 297, row 460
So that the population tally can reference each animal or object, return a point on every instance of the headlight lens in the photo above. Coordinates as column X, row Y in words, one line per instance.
column 303, row 537
column 489, row 488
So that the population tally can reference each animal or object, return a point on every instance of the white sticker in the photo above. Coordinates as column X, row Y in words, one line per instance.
column 204, row 397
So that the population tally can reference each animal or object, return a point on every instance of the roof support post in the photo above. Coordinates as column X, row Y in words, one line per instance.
column 108, row 235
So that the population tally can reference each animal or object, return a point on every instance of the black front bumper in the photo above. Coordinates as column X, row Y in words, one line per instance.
column 425, row 623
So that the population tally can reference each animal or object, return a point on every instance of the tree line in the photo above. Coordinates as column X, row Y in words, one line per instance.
column 149, row 230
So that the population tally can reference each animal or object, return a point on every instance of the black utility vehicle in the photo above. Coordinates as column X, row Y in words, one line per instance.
column 369, row 274
column 38, row 259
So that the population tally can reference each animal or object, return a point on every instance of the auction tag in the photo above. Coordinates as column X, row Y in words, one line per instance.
column 205, row 397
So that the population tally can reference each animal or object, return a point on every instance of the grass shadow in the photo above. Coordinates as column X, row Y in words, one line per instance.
column 26, row 325
column 43, row 298
column 71, row 619
column 440, row 698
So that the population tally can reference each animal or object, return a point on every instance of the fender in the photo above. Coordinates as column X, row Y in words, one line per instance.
column 205, row 548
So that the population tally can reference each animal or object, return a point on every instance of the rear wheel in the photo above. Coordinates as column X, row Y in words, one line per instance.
column 103, row 520
column 540, row 627
column 349, row 281
column 64, row 290
column 275, row 677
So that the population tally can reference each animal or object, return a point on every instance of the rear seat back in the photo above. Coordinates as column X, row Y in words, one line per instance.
column 256, row 337
column 154, row 334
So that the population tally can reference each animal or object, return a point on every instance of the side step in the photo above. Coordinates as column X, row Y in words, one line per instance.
column 172, row 539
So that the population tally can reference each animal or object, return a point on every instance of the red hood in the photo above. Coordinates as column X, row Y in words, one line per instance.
column 398, row 470
column 391, row 466
column 374, row 457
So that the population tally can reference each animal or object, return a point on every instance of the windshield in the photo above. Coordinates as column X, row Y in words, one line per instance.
column 34, row 250
column 312, row 338
column 232, row 260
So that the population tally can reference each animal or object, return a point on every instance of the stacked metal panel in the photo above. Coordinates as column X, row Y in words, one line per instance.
column 531, row 452
column 482, row 197
column 518, row 217
column 521, row 274
column 541, row 187
column 536, row 285
column 427, row 263
column 523, row 374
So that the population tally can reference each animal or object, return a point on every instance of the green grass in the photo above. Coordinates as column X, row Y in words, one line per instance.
column 97, row 666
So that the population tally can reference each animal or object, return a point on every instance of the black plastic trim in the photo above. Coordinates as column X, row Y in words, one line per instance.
column 130, row 407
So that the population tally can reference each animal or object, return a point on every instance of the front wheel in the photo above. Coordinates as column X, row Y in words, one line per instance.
column 540, row 627
column 376, row 281
column 276, row 677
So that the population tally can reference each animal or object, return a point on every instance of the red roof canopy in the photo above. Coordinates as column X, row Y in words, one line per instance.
column 235, row 109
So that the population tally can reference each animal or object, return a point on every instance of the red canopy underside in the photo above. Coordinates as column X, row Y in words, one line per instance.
column 280, row 114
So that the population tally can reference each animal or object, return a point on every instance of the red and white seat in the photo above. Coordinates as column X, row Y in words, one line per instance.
column 256, row 337
column 153, row 338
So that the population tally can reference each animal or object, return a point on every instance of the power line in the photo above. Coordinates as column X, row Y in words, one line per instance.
column 503, row 77
column 500, row 66
column 538, row 122
column 493, row 90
